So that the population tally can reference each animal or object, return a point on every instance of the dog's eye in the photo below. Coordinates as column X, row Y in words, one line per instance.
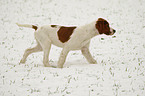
column 108, row 25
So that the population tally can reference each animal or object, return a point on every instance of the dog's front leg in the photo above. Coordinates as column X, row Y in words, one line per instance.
column 62, row 57
column 88, row 56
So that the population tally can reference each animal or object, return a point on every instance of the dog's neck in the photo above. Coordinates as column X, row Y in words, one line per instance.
column 91, row 30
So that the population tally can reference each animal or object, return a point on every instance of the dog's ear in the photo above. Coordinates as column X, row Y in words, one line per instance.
column 105, row 22
column 103, row 26
column 101, row 20
column 99, row 25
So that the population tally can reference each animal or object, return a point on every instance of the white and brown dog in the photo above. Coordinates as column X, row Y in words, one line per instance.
column 69, row 38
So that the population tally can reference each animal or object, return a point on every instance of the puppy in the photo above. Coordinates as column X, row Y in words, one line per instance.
column 67, row 37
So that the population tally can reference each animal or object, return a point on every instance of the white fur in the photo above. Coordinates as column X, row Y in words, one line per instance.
column 47, row 35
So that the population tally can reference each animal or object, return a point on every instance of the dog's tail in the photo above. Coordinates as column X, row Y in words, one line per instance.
column 27, row 25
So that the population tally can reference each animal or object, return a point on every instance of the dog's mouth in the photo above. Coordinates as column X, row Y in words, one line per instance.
column 113, row 32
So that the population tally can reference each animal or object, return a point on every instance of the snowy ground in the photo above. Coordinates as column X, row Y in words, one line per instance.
column 121, row 60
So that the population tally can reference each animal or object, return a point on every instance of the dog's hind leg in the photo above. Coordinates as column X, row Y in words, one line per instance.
column 46, row 50
column 29, row 51
column 46, row 45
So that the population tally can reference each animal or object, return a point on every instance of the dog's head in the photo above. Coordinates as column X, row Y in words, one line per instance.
column 103, row 27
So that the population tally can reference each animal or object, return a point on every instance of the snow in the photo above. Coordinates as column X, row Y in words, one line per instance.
column 121, row 59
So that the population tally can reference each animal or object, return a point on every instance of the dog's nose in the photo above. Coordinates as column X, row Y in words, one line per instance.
column 114, row 30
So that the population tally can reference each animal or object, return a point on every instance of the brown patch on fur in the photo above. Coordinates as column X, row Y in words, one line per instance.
column 103, row 26
column 54, row 26
column 34, row 27
column 64, row 33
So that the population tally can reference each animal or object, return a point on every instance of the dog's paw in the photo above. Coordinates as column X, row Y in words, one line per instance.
column 93, row 62
column 22, row 61
column 47, row 65
column 18, row 24
column 59, row 66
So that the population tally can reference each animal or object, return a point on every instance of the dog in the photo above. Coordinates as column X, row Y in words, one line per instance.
column 67, row 37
